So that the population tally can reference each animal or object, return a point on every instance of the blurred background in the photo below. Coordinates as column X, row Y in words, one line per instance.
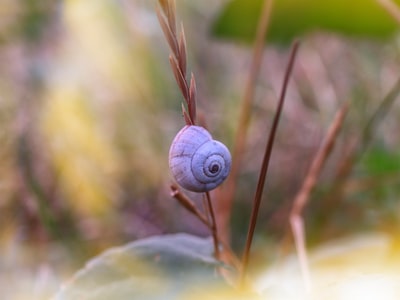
column 89, row 106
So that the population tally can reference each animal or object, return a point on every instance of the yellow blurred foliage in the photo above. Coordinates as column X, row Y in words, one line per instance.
column 100, row 78
column 97, row 31
column 116, row 69
column 80, row 150
column 357, row 267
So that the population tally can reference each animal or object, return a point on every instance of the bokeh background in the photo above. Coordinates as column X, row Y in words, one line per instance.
column 89, row 106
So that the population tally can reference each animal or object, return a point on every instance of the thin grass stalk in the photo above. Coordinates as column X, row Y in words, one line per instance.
column 303, row 196
column 213, row 225
column 188, row 204
column 392, row 8
column 245, row 112
column 265, row 163
column 319, row 161
column 166, row 14
column 206, row 218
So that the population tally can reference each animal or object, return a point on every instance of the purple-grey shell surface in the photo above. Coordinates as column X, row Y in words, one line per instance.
column 197, row 162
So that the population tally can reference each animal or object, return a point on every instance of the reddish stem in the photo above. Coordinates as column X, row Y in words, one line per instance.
column 213, row 226
column 265, row 164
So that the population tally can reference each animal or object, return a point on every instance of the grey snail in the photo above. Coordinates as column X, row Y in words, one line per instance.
column 197, row 162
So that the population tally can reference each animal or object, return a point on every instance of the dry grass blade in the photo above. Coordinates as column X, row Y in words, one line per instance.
column 228, row 191
column 178, row 59
column 250, row 85
column 188, row 121
column 391, row 8
column 192, row 98
column 171, row 16
column 265, row 163
column 188, row 204
column 191, row 207
column 296, row 219
column 213, row 225
column 171, row 39
column 169, row 8
column 180, row 79
column 164, row 5
column 182, row 51
column 319, row 160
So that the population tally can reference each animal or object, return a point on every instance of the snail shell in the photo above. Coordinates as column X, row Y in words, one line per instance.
column 197, row 162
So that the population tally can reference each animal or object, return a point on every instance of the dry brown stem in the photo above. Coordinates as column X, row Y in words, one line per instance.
column 167, row 18
column 296, row 219
column 228, row 191
column 265, row 163
column 391, row 8
column 357, row 147
column 188, row 204
column 213, row 225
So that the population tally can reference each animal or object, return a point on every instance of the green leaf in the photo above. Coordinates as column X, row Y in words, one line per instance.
column 159, row 267
column 380, row 161
column 293, row 18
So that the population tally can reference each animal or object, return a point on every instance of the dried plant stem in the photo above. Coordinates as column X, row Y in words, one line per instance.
column 207, row 219
column 296, row 219
column 357, row 148
column 391, row 8
column 188, row 204
column 213, row 225
column 226, row 255
column 265, row 163
column 240, row 139
column 318, row 162
column 167, row 19
column 250, row 85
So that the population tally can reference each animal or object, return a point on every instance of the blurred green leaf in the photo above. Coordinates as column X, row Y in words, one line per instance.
column 380, row 161
column 292, row 18
column 159, row 267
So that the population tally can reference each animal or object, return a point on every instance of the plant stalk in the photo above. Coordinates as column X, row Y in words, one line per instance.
column 265, row 164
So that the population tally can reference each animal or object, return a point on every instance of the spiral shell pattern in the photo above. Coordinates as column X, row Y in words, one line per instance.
column 197, row 162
